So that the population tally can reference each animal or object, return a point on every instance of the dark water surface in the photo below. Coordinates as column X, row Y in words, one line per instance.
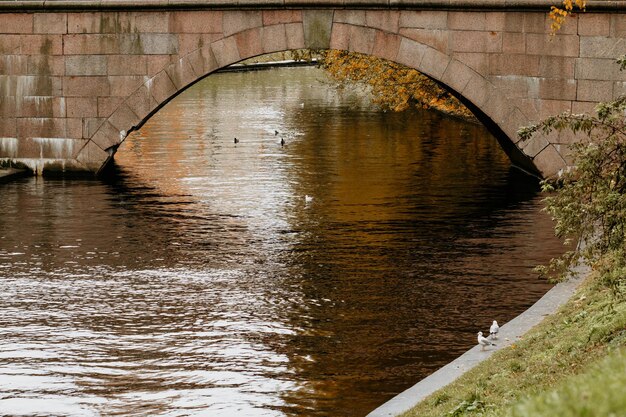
column 208, row 278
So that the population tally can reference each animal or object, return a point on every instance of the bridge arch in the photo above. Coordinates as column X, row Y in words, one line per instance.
column 492, row 106
column 78, row 76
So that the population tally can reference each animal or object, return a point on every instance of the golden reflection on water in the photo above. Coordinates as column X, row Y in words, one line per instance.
column 213, row 278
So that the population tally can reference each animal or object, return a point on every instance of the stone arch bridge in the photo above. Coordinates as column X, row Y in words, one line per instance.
column 76, row 76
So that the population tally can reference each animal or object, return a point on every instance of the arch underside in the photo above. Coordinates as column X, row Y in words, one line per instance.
column 489, row 103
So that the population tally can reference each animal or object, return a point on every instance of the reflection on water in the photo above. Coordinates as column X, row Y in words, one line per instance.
column 200, row 280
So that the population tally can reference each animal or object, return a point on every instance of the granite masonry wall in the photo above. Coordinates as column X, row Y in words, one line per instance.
column 75, row 79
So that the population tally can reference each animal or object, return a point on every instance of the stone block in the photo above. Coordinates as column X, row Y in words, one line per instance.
column 107, row 105
column 189, row 42
column 210, row 21
column 583, row 107
column 238, row 21
column 557, row 89
column 385, row 20
column 549, row 108
column 29, row 106
column 141, row 102
column 274, row 17
column 84, row 22
column 533, row 146
column 249, row 43
column 148, row 44
column 386, row 45
column 92, row 157
column 30, row 85
column 181, row 73
column 41, row 45
column 602, row 47
column 86, row 65
column 161, row 87
column 496, row 106
column 86, row 86
column 466, row 20
column 535, row 22
column 511, row 64
column 556, row 67
column 8, row 127
column 10, row 44
column 513, row 86
column 16, row 23
column 123, row 85
column 157, row 63
column 410, row 53
column 124, row 119
column 457, row 75
column 470, row 41
column 107, row 136
column 619, row 88
column 226, row 51
column 513, row 122
column 350, row 17
column 125, row 64
column 295, row 35
column 550, row 162
column 434, row 63
column 554, row 45
column 7, row 107
column 340, row 37
column 423, row 19
column 362, row 39
column 317, row 25
column 477, row 61
column 435, row 38
column 594, row 90
column 274, row 38
column 143, row 22
column 49, row 23
column 91, row 44
column 593, row 24
column 618, row 25
column 13, row 64
column 598, row 69
column 513, row 43
column 74, row 128
column 202, row 61
column 46, row 65
column 512, row 22
column 81, row 106
column 91, row 126
column 40, row 127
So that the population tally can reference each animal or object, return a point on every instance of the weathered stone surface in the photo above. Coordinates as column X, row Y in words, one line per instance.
column 594, row 90
column 49, row 23
column 551, row 161
column 594, row 24
column 16, row 23
column 386, row 20
column 86, row 65
column 317, row 26
column 93, row 74
column 238, row 21
column 92, row 157
column 274, row 38
column 424, row 19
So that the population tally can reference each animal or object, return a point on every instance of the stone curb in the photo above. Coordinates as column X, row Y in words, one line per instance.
column 83, row 5
column 509, row 334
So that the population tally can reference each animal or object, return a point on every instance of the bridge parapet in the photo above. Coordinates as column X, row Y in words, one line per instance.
column 77, row 76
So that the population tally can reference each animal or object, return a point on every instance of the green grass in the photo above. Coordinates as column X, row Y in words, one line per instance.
column 571, row 364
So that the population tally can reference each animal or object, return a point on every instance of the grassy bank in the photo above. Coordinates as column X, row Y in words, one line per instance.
column 572, row 364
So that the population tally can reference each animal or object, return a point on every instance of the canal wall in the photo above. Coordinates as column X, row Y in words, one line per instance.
column 508, row 335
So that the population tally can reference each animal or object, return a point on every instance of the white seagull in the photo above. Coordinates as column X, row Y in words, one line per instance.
column 493, row 331
column 483, row 341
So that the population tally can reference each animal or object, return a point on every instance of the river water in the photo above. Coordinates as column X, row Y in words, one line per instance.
column 211, row 278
